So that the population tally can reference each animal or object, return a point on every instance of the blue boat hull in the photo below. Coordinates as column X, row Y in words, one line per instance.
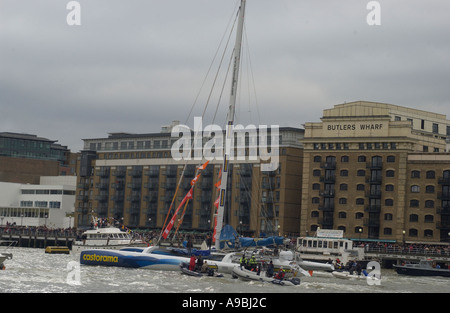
column 129, row 259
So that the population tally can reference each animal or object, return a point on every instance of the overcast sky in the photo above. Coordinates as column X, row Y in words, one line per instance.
column 135, row 65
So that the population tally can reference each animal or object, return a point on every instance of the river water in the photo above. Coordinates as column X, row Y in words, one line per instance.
column 33, row 271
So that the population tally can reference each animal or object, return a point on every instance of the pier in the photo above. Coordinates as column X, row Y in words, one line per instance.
column 37, row 239
column 387, row 256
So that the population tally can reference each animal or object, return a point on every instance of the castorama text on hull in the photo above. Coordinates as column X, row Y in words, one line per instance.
column 146, row 259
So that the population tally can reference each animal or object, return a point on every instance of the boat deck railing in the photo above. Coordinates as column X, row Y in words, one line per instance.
column 426, row 252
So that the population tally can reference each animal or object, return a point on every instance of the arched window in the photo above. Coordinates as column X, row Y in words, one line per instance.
column 390, row 159
column 415, row 174
column 429, row 189
column 413, row 218
column 429, row 218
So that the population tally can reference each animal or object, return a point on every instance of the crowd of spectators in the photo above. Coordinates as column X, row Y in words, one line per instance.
column 406, row 248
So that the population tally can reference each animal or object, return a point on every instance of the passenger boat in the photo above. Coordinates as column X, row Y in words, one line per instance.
column 106, row 238
column 246, row 274
column 329, row 245
column 423, row 268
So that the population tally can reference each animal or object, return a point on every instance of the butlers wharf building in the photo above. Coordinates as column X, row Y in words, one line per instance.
column 378, row 172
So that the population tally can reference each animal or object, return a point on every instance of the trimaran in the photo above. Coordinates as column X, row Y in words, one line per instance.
column 156, row 258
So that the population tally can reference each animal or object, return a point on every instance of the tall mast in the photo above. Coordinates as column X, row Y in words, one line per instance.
column 230, row 121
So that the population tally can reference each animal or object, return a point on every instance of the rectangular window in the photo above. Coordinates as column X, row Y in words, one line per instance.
column 40, row 204
column 435, row 128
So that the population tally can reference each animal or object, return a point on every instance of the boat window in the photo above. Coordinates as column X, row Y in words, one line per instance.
column 346, row 246
column 314, row 244
column 115, row 235
column 309, row 243
column 325, row 244
column 320, row 244
column 335, row 244
column 341, row 244
column 120, row 236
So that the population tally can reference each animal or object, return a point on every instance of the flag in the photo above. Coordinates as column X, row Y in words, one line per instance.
column 218, row 184
column 172, row 220
column 194, row 180
column 204, row 165
column 215, row 220
column 216, row 203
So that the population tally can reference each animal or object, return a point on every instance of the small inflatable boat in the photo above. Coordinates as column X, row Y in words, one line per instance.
column 245, row 274
column 184, row 267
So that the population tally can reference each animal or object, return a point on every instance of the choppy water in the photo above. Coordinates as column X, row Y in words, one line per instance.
column 33, row 271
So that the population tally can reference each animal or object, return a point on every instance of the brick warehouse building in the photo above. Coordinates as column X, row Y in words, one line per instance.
column 133, row 178
column 377, row 171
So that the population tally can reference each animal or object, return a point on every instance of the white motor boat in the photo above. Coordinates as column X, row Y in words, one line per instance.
column 355, row 276
column 4, row 257
column 106, row 238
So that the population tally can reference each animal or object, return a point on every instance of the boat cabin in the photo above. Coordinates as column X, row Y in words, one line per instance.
column 328, row 244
